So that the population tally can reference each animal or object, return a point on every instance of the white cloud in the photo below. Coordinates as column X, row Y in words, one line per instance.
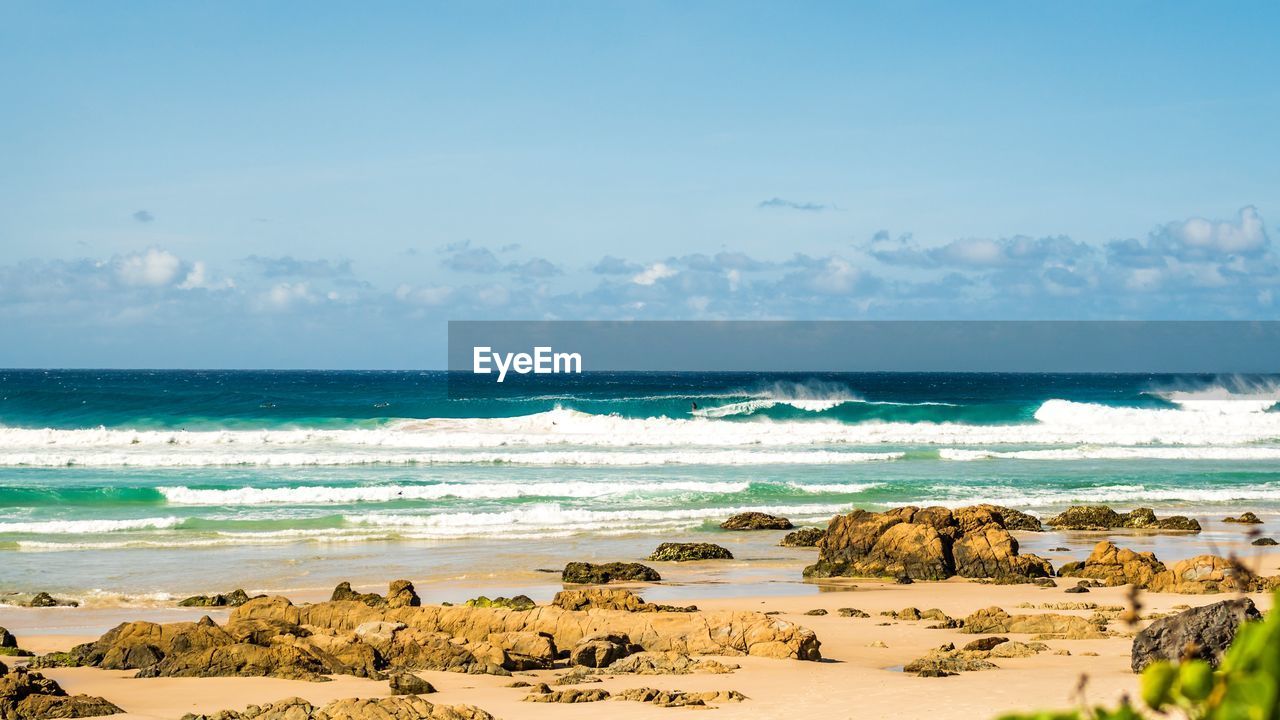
column 154, row 268
column 653, row 274
column 198, row 278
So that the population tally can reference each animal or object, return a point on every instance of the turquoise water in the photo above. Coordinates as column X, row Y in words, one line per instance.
column 126, row 479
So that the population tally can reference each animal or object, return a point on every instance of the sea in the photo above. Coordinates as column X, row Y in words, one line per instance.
column 136, row 486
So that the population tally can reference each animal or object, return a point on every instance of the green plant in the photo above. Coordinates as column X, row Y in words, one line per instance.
column 1246, row 686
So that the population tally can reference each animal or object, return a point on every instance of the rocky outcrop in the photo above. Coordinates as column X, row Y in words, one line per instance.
column 583, row 573
column 9, row 645
column 27, row 695
column 409, row 684
column 1068, row 627
column 1101, row 517
column 925, row 544
column 1199, row 575
column 682, row 552
column 572, row 695
column 699, row 633
column 611, row 599
column 804, row 537
column 1204, row 632
column 1245, row 518
column 402, row 707
column 666, row 663
column 235, row 598
column 756, row 521
column 948, row 660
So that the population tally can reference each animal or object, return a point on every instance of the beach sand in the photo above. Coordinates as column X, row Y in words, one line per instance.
column 856, row 679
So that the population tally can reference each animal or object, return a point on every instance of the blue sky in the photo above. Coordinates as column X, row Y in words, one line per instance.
column 323, row 185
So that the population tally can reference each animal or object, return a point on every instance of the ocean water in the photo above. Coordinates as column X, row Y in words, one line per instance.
column 146, row 483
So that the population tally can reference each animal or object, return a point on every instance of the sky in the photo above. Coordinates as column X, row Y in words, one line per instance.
column 324, row 185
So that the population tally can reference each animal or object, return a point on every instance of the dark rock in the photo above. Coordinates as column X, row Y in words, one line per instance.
column 756, row 521
column 1079, row 588
column 611, row 599
column 571, row 695
column 1207, row 631
column 804, row 537
column 1101, row 517
column 235, row 598
column 7, row 640
column 903, row 579
column 1060, row 549
column 590, row 574
column 817, row 611
column 851, row 612
column 1245, row 518
column 681, row 552
column 1263, row 542
column 343, row 592
column 45, row 600
column 934, row 672
column 984, row 644
column 519, row 602
column 410, row 684
column 1045, row 582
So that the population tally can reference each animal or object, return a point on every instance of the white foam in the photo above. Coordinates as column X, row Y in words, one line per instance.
column 203, row 457
column 1117, row 453
column 824, row 488
column 320, row 495
column 88, row 527
column 1060, row 497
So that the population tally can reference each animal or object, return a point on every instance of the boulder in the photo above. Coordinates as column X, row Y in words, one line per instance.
column 572, row 695
column 583, row 573
column 1202, row 574
column 681, row 552
column 1101, row 517
column 401, row 594
column 678, row 698
column 1263, row 542
column 666, row 663
column 45, row 600
column 1113, row 565
column 756, row 521
column 1245, row 518
column 804, row 537
column 602, row 650
column 235, row 598
column 1205, row 632
column 910, row 543
column 28, row 695
column 984, row 644
column 947, row 659
column 409, row 684
column 396, row 707
column 344, row 593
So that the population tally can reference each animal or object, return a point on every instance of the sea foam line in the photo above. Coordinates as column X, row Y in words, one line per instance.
column 321, row 494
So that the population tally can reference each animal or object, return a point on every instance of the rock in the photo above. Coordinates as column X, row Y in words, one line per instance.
column 235, row 598
column 931, row 672
column 519, row 602
column 28, row 695
column 7, row 640
column 602, row 650
column 986, row 643
column 1015, row 649
column 996, row 620
column 804, row 537
column 1047, row 582
column 927, row 544
column 410, row 684
column 1101, row 517
column 666, row 663
column 344, row 593
column 401, row 594
column 678, row 698
column 1245, row 518
column 45, row 600
column 681, row 552
column 816, row 611
column 1263, row 542
column 588, row 574
column 756, row 521
column 572, row 695
column 400, row 707
column 1207, row 630
column 903, row 579
column 1208, row 574
column 611, row 599
column 947, row 659
column 706, row 633
column 1079, row 588
column 1116, row 566
column 851, row 612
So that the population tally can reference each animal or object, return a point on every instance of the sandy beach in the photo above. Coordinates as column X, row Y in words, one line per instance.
column 860, row 674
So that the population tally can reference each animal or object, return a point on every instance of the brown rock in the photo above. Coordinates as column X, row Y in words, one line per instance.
column 756, row 521
column 402, row 707
column 804, row 537
column 996, row 620
column 684, row 552
column 984, row 644
column 27, row 695
column 1246, row 518
column 572, row 695
column 590, row 574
